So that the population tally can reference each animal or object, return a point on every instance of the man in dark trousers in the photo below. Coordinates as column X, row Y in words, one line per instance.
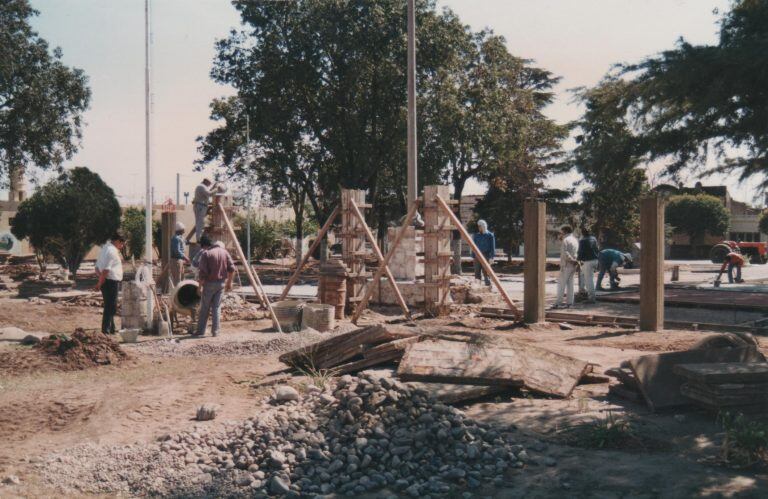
column 486, row 243
column 587, row 256
column 109, row 268
column 215, row 272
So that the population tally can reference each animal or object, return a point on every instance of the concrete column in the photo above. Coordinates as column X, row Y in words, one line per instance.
column 534, row 271
column 652, row 264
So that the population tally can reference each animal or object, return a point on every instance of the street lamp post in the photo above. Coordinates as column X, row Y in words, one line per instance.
column 412, row 168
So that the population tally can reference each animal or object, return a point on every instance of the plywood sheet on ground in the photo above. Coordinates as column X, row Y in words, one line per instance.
column 702, row 298
column 660, row 385
column 725, row 372
column 488, row 361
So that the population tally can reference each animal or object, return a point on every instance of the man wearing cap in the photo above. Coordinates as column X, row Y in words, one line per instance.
column 109, row 268
column 178, row 255
column 215, row 272
column 609, row 260
column 200, row 202
column 486, row 243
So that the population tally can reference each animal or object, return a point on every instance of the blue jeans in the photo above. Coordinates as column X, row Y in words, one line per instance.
column 602, row 269
column 479, row 269
column 210, row 303
column 730, row 272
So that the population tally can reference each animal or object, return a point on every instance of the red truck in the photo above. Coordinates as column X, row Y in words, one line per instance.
column 757, row 252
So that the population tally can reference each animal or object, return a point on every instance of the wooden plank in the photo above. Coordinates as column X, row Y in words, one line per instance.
column 534, row 267
column 660, row 385
column 380, row 354
column 700, row 393
column 333, row 351
column 725, row 372
column 652, row 263
column 491, row 362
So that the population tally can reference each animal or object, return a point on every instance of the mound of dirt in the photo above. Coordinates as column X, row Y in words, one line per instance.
column 82, row 349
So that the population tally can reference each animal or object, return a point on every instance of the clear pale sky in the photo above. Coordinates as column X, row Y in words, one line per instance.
column 578, row 40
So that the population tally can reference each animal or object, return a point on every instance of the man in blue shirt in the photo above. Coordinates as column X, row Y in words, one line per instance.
column 178, row 256
column 486, row 243
column 608, row 261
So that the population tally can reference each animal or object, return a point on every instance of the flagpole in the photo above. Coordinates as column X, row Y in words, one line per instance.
column 147, row 159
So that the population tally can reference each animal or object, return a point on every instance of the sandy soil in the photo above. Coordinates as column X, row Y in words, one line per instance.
column 158, row 390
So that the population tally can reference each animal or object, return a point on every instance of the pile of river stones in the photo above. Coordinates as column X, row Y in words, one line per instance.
column 357, row 435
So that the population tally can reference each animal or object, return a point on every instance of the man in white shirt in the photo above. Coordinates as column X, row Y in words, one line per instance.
column 568, row 266
column 200, row 202
column 109, row 268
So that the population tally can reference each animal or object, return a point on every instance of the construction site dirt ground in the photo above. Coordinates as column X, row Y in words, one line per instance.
column 157, row 390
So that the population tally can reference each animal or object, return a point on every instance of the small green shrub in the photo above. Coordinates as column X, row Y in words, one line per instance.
column 746, row 441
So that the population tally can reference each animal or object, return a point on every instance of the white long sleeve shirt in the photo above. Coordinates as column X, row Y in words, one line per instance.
column 109, row 260
column 569, row 250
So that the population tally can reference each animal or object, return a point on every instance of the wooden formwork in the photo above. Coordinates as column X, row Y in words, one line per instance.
column 437, row 251
column 217, row 231
column 353, row 250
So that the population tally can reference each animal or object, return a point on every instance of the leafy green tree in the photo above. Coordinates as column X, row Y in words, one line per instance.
column 41, row 99
column 697, row 215
column 607, row 157
column 695, row 101
column 67, row 216
column 133, row 227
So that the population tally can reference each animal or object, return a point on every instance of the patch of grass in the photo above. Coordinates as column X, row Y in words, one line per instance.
column 610, row 432
column 746, row 441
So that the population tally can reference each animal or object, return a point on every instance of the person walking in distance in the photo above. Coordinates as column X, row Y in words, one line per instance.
column 587, row 256
column 215, row 272
column 486, row 243
column 178, row 254
column 200, row 202
column 109, row 268
column 569, row 264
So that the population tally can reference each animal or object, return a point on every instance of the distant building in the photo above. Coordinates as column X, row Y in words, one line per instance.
column 743, row 224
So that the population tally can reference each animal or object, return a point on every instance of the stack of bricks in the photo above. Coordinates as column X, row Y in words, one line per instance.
column 404, row 263
column 133, row 308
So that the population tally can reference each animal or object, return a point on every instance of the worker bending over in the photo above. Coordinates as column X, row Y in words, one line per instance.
column 732, row 260
column 609, row 260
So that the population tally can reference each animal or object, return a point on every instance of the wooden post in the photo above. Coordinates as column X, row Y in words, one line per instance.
column 168, row 229
column 353, row 244
column 468, row 239
column 384, row 265
column 535, row 266
column 652, row 264
column 320, row 236
column 380, row 257
column 253, row 277
column 437, row 251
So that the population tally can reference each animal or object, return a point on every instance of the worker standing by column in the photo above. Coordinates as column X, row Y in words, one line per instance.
column 569, row 265
column 588, row 253
column 109, row 268
column 178, row 254
column 486, row 243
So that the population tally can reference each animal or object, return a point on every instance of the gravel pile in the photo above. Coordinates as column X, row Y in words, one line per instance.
column 359, row 435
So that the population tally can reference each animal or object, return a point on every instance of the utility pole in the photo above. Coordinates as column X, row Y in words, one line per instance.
column 150, row 190
column 413, row 188
column 178, row 188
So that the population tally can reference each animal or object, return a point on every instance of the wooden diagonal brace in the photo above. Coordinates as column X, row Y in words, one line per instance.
column 483, row 262
column 320, row 236
column 385, row 263
column 380, row 257
column 253, row 276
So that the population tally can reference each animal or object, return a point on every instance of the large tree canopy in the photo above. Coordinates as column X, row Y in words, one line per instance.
column 323, row 83
column 67, row 216
column 697, row 215
column 41, row 99
column 694, row 101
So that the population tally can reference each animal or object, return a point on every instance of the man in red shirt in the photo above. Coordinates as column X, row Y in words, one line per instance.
column 215, row 272
column 733, row 260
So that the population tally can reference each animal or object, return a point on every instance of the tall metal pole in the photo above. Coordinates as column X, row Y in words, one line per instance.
column 248, row 214
column 148, row 197
column 178, row 189
column 413, row 188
